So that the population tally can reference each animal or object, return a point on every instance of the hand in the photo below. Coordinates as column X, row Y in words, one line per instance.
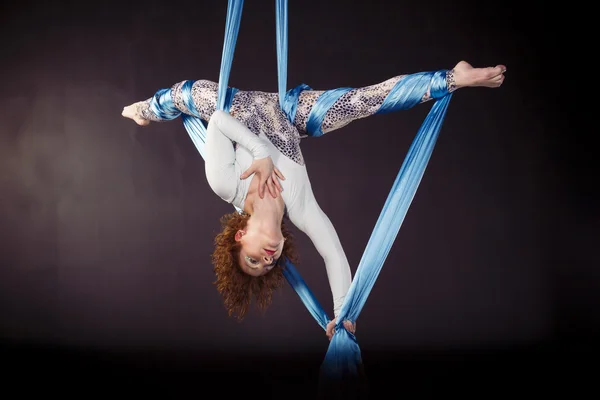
column 267, row 174
column 330, row 330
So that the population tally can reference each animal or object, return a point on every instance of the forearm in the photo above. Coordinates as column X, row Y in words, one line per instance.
column 238, row 133
column 355, row 104
column 338, row 270
column 222, row 171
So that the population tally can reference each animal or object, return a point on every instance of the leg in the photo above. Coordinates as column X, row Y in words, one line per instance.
column 357, row 103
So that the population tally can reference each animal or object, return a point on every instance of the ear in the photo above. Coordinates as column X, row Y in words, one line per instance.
column 239, row 234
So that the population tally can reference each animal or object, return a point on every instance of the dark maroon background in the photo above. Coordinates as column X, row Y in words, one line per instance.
column 107, row 227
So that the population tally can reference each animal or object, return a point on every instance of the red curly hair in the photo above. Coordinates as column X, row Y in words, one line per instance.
column 235, row 286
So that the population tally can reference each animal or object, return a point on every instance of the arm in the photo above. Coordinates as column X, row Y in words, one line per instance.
column 222, row 172
column 355, row 104
column 310, row 219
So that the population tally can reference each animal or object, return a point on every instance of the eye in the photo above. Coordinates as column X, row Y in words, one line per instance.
column 251, row 260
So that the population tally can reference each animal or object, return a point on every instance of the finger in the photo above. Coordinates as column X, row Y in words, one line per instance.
column 349, row 326
column 261, row 189
column 329, row 331
column 271, row 187
column 279, row 174
column 246, row 173
column 276, row 182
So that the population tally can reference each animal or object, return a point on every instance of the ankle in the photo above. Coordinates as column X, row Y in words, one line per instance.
column 451, row 80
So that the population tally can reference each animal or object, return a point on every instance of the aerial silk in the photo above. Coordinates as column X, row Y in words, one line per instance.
column 343, row 358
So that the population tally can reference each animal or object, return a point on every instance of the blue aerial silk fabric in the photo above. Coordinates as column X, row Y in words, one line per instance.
column 343, row 357
column 232, row 28
column 162, row 104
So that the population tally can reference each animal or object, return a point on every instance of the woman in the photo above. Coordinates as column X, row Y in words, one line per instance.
column 256, row 140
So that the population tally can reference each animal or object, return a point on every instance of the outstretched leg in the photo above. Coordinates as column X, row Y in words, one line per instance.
column 344, row 105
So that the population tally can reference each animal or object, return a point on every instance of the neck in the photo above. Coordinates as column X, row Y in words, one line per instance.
column 268, row 211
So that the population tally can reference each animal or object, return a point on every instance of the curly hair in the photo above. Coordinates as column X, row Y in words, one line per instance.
column 235, row 286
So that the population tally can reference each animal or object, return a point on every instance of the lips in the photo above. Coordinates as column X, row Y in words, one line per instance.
column 270, row 252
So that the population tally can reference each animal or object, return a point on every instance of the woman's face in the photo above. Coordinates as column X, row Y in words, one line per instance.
column 259, row 250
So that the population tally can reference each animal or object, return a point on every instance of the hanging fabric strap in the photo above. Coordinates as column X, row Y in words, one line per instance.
column 162, row 104
column 343, row 357
column 281, row 25
column 288, row 100
column 232, row 28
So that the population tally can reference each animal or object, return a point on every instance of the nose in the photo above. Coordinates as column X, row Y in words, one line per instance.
column 268, row 259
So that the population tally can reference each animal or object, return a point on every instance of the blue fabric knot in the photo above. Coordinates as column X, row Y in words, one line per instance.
column 162, row 105
column 411, row 89
column 289, row 105
column 439, row 84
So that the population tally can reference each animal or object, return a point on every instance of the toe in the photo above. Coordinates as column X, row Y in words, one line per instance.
column 497, row 70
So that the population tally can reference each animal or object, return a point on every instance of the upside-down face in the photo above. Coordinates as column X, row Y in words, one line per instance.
column 259, row 249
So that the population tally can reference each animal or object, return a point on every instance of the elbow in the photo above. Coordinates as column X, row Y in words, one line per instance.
column 220, row 187
column 218, row 116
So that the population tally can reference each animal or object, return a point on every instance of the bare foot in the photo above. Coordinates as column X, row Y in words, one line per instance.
column 131, row 113
column 467, row 76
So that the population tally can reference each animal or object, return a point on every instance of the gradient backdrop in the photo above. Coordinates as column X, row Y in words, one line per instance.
column 107, row 227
